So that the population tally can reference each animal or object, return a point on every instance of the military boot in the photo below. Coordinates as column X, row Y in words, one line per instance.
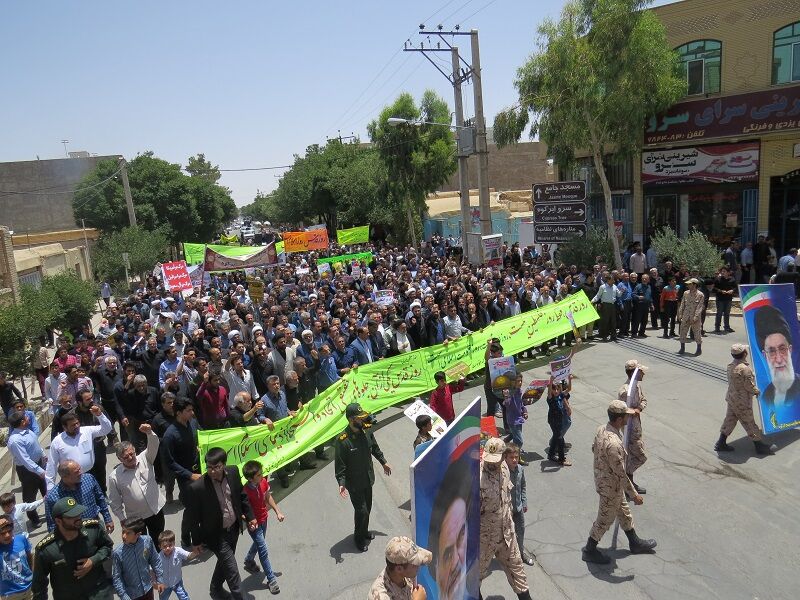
column 762, row 448
column 699, row 350
column 637, row 544
column 683, row 348
column 639, row 490
column 722, row 444
column 526, row 595
column 590, row 553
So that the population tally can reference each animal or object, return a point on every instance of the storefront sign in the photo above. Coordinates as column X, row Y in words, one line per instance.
column 743, row 114
column 560, row 212
column 554, row 234
column 724, row 163
column 561, row 191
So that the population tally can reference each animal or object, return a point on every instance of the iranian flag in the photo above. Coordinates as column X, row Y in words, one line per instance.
column 755, row 298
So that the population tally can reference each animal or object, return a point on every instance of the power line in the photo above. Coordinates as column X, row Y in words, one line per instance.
column 458, row 10
column 445, row 5
column 484, row 7
column 255, row 169
column 65, row 191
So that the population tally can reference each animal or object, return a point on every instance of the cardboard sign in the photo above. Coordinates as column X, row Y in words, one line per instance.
column 324, row 270
column 176, row 276
column 561, row 368
column 255, row 287
column 384, row 297
column 502, row 372
column 420, row 408
column 535, row 390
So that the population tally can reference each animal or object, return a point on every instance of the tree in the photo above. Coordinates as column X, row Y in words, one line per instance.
column 144, row 248
column 418, row 158
column 188, row 207
column 600, row 72
column 583, row 251
column 74, row 299
column 695, row 250
column 198, row 166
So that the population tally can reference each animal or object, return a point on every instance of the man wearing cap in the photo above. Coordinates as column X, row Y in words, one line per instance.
column 689, row 315
column 611, row 484
column 636, row 454
column 741, row 389
column 774, row 339
column 498, row 538
column 397, row 581
column 355, row 475
column 71, row 558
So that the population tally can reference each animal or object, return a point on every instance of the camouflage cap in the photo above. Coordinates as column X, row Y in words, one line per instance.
column 618, row 407
column 737, row 349
column 493, row 450
column 402, row 550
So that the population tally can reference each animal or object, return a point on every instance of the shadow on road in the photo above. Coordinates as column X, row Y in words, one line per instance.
column 744, row 450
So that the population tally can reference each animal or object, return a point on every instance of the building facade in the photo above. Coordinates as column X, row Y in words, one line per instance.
column 725, row 159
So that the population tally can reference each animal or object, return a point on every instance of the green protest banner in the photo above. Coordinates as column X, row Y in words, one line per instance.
column 354, row 235
column 359, row 256
column 378, row 385
column 195, row 253
column 279, row 246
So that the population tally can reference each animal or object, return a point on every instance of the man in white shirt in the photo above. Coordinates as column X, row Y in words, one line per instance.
column 453, row 327
column 133, row 491
column 239, row 380
column 75, row 443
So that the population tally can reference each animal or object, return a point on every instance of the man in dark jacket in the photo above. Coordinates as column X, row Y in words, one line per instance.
column 217, row 504
column 107, row 377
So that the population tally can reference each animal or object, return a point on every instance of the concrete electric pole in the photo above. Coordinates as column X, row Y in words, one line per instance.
column 123, row 171
column 482, row 147
column 463, row 158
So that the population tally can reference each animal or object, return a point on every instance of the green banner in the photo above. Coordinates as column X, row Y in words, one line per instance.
column 378, row 385
column 367, row 256
column 279, row 247
column 354, row 235
column 195, row 253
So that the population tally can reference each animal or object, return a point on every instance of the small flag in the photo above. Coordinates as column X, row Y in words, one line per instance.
column 755, row 298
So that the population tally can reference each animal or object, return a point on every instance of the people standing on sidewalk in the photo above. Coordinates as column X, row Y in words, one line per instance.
column 724, row 289
column 606, row 298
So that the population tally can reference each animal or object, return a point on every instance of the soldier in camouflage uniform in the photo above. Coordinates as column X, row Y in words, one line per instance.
column 398, row 580
column 72, row 557
column 689, row 315
column 611, row 483
column 636, row 454
column 741, row 389
column 498, row 537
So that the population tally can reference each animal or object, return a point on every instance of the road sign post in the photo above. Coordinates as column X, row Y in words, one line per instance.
column 559, row 191
column 559, row 211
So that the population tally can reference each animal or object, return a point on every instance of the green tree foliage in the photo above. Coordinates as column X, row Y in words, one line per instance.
column 190, row 208
column 145, row 248
column 583, row 252
column 75, row 299
column 695, row 251
column 199, row 166
column 600, row 71
column 418, row 158
column 63, row 301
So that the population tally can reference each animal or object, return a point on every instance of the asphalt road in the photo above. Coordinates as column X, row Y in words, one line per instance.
column 727, row 527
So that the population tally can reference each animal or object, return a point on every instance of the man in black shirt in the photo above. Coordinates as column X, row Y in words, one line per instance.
column 724, row 288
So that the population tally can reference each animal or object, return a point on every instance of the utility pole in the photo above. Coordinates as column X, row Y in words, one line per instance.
column 460, row 74
column 482, row 149
column 463, row 158
column 127, row 188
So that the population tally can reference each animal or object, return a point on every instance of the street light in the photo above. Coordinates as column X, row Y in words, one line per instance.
column 395, row 121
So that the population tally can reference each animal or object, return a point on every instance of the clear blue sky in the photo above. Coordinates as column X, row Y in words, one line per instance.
column 248, row 83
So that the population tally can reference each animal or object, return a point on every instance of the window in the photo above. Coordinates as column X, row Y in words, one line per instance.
column 700, row 64
column 786, row 54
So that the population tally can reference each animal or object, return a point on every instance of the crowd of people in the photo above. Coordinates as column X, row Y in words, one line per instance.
column 163, row 365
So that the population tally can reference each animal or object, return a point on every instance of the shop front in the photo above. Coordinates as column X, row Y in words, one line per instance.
column 784, row 211
column 711, row 188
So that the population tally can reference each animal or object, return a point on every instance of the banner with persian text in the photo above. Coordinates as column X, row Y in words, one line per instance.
column 381, row 384
column 265, row 256
column 195, row 253
column 303, row 241
column 342, row 258
column 354, row 235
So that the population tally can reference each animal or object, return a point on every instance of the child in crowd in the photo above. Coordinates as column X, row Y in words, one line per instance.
column 556, row 413
column 14, row 512
column 16, row 559
column 257, row 489
column 172, row 560
column 442, row 397
column 424, row 426
column 519, row 498
column 516, row 414
column 132, row 562
column 33, row 424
